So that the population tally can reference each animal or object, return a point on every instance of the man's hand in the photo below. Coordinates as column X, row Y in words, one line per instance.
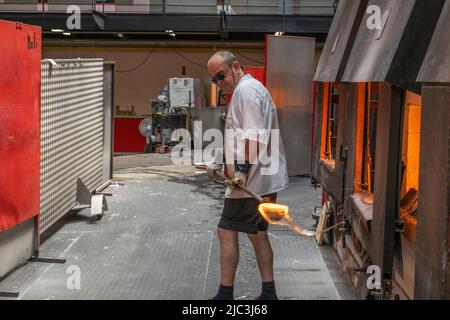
column 211, row 171
column 267, row 200
column 238, row 180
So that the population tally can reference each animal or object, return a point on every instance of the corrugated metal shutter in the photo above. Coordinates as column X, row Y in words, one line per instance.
column 71, row 133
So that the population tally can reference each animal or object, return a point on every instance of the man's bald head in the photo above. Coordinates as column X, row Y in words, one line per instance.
column 225, row 65
column 222, row 57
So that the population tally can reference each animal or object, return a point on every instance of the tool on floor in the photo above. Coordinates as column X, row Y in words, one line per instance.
column 274, row 213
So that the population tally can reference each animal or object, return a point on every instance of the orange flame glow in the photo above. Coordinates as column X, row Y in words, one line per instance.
column 272, row 212
column 279, row 214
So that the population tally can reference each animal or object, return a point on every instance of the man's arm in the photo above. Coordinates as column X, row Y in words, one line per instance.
column 242, row 169
column 251, row 122
column 215, row 165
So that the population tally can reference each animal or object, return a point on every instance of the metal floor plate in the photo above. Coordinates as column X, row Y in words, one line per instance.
column 158, row 242
column 126, row 266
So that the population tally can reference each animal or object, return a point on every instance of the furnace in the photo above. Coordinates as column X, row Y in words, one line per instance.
column 367, row 152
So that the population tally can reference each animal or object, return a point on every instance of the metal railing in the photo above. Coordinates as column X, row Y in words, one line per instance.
column 238, row 7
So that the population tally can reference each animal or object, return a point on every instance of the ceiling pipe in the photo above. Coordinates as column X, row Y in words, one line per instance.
column 150, row 44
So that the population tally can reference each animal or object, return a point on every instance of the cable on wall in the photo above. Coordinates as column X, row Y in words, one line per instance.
column 134, row 68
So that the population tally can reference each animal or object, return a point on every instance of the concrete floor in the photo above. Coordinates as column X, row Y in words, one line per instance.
column 158, row 241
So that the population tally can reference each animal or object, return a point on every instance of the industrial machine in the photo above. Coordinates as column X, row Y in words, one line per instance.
column 171, row 110
column 181, row 92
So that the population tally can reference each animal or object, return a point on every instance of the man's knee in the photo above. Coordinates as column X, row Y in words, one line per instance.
column 226, row 235
column 261, row 236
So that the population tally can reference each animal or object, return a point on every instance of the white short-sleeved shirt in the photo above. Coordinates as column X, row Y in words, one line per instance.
column 252, row 116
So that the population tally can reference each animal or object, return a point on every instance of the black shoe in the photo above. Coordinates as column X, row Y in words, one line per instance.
column 216, row 298
column 224, row 293
column 261, row 298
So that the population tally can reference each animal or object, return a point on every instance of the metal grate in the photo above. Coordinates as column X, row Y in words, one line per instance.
column 71, row 133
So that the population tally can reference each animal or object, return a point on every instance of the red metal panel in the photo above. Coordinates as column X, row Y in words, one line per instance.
column 126, row 135
column 20, row 109
column 259, row 73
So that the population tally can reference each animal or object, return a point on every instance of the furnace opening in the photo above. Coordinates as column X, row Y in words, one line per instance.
column 366, row 140
column 330, row 125
column 410, row 164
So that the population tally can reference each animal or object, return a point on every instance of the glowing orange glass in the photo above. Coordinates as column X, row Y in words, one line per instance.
column 279, row 214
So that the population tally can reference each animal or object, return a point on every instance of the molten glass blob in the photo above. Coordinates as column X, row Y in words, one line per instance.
column 279, row 214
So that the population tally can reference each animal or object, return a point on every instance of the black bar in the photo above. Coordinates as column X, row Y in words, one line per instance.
column 123, row 22
column 9, row 294
column 47, row 260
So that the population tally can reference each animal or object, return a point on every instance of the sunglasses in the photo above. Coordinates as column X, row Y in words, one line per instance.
column 220, row 76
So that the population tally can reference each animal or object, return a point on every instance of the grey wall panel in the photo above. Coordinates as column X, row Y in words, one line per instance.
column 290, row 72
column 296, row 135
column 16, row 245
column 71, row 133
column 108, row 119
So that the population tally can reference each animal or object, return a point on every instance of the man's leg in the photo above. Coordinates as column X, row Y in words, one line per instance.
column 263, row 253
column 229, row 258
column 264, row 258
column 229, row 255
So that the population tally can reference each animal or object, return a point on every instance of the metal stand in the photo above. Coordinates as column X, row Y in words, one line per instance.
column 85, row 199
column 35, row 258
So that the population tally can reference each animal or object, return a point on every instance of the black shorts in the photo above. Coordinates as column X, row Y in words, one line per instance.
column 242, row 215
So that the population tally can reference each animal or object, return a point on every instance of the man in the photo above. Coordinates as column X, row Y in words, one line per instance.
column 251, row 120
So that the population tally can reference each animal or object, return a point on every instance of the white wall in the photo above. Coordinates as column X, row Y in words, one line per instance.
column 140, row 86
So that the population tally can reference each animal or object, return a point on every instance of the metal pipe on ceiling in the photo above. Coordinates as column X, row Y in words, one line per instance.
column 259, row 45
